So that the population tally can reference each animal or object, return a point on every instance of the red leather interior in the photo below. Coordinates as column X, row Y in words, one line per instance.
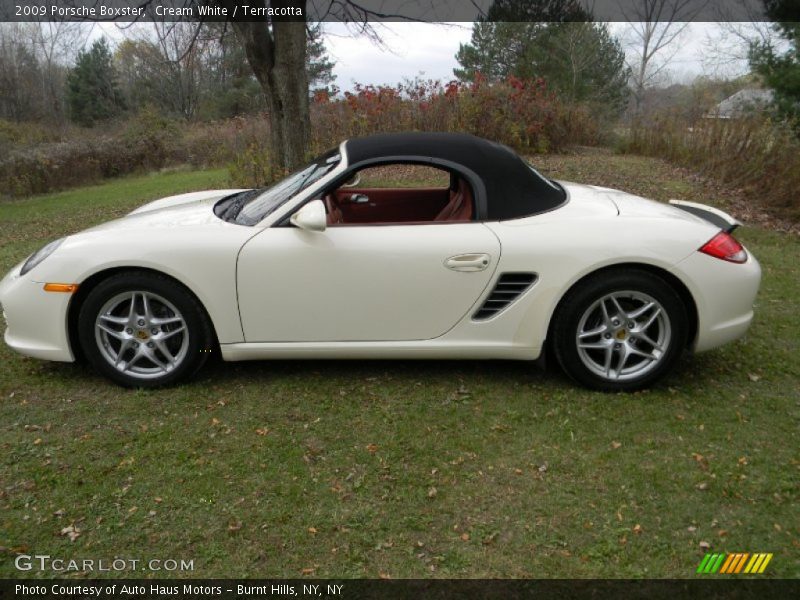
column 460, row 206
column 391, row 205
column 400, row 205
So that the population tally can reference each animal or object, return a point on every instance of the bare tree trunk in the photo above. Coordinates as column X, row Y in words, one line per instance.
column 290, row 92
column 277, row 57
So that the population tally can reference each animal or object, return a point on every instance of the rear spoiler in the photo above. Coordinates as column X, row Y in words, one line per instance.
column 713, row 215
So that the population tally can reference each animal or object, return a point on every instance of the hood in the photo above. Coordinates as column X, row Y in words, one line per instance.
column 190, row 198
column 194, row 209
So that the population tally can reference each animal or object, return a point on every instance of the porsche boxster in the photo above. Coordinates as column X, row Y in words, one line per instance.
column 489, row 259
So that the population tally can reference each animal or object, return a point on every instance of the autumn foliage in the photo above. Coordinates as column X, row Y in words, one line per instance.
column 523, row 114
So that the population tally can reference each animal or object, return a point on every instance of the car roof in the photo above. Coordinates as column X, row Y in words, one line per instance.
column 512, row 188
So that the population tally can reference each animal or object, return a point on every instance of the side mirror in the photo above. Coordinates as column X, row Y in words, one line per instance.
column 311, row 217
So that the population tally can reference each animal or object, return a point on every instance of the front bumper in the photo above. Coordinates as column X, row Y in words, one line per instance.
column 36, row 321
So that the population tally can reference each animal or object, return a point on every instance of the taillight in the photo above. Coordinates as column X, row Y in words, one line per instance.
column 724, row 246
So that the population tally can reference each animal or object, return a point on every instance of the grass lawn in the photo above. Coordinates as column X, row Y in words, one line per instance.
column 404, row 469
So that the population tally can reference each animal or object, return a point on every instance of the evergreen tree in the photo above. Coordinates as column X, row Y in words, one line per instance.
column 318, row 64
column 577, row 58
column 92, row 90
column 781, row 72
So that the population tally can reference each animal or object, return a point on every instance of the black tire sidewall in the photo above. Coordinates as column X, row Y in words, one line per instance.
column 585, row 293
column 196, row 322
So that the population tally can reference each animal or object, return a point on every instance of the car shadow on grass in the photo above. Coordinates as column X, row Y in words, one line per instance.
column 691, row 371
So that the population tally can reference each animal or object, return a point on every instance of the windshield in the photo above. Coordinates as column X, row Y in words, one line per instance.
column 254, row 205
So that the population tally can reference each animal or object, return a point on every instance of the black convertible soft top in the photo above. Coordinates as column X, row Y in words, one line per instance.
column 511, row 188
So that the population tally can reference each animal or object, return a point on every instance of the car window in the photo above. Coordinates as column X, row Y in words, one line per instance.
column 403, row 176
column 400, row 193
column 259, row 205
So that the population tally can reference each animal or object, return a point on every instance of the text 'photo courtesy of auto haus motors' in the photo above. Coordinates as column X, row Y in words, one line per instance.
column 499, row 263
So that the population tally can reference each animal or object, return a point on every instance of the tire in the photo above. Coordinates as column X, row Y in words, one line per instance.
column 620, row 330
column 166, row 338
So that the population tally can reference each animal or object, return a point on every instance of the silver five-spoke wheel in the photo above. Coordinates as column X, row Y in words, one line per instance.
column 620, row 329
column 623, row 335
column 141, row 334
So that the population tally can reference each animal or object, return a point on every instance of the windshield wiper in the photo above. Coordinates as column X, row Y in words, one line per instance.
column 229, row 208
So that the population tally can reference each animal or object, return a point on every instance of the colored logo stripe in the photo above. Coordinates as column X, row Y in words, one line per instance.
column 737, row 562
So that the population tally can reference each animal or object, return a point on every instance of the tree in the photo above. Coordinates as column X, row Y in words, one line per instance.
column 580, row 60
column 92, row 90
column 781, row 71
column 276, row 50
column 319, row 66
column 654, row 26
column 20, row 74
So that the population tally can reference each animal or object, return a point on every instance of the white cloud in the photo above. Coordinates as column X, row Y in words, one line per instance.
column 413, row 48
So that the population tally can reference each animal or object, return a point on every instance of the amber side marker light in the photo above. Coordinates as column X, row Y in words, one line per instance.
column 69, row 288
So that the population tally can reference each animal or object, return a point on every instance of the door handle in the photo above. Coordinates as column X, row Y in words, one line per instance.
column 359, row 198
column 468, row 262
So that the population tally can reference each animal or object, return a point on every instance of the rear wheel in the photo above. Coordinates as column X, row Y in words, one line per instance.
column 620, row 330
column 143, row 330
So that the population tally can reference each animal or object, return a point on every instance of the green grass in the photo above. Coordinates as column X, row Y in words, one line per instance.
column 434, row 469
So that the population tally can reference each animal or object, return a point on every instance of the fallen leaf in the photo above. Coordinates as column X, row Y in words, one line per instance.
column 158, row 499
column 72, row 532
column 215, row 421
column 754, row 377
column 263, row 431
column 372, row 448
column 384, row 575
column 465, row 537
column 702, row 486
column 722, row 532
column 704, row 546
column 235, row 526
column 37, row 441
column 312, row 530
column 691, row 529
column 308, row 570
column 616, row 445
column 432, row 492
column 637, row 529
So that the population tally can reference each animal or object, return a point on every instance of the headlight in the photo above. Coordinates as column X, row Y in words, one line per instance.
column 38, row 256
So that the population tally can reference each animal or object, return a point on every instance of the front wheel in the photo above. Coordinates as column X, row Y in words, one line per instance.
column 143, row 330
column 620, row 330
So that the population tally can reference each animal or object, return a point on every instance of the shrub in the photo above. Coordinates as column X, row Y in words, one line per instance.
column 521, row 113
column 754, row 154
column 153, row 138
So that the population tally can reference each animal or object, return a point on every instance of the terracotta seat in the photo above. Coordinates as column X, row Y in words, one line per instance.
column 460, row 206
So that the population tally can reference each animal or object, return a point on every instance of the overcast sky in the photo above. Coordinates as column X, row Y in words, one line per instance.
column 430, row 49
column 421, row 48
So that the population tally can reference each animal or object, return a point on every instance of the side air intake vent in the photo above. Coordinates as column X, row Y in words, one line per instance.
column 508, row 288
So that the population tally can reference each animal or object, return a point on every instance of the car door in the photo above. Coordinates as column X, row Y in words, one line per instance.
column 362, row 283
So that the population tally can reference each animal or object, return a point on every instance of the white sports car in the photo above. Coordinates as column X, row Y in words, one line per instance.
column 495, row 262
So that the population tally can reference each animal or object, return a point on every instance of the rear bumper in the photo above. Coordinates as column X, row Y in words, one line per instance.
column 724, row 294
column 36, row 321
